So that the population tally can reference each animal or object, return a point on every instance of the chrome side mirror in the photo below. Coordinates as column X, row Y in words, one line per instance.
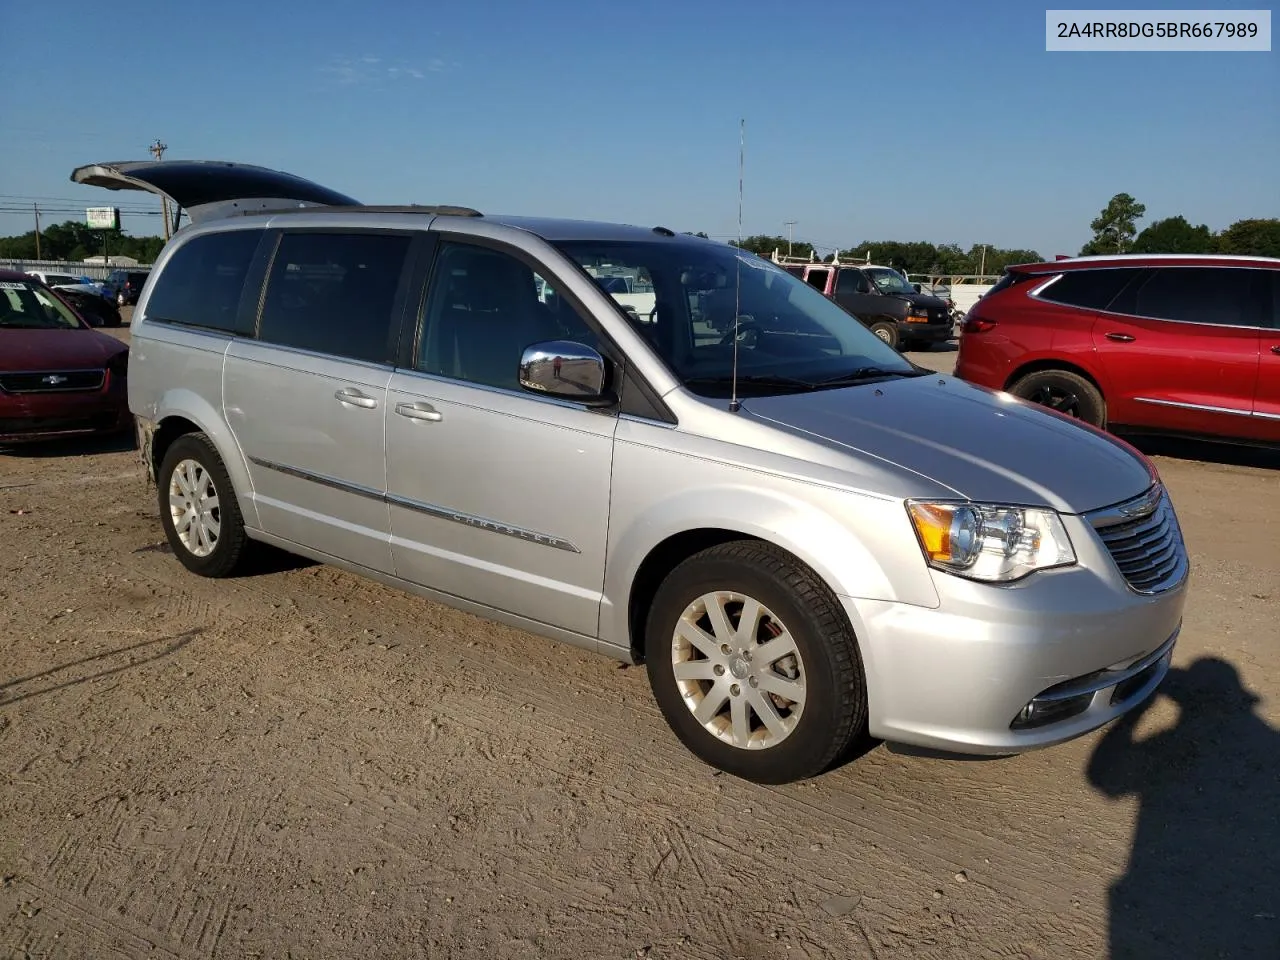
column 564, row 368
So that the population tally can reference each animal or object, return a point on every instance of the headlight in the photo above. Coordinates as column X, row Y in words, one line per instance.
column 919, row 312
column 991, row 543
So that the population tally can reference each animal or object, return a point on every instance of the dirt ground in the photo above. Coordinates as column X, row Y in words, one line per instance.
column 300, row 763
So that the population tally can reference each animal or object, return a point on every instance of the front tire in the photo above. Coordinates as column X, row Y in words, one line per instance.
column 198, row 508
column 753, row 663
column 1068, row 393
column 888, row 332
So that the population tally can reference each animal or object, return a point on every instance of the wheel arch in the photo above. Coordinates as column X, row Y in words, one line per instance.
column 814, row 535
column 1052, row 363
column 660, row 561
column 182, row 412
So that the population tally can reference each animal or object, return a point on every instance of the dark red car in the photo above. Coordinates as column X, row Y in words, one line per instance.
column 58, row 376
column 1178, row 344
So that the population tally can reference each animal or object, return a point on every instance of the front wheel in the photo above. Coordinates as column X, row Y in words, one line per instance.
column 1063, row 391
column 753, row 663
column 198, row 508
column 887, row 331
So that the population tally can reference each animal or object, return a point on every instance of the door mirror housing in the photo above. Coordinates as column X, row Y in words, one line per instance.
column 565, row 368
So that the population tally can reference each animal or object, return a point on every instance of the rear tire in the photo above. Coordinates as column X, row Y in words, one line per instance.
column 888, row 332
column 1065, row 392
column 198, row 508
column 788, row 697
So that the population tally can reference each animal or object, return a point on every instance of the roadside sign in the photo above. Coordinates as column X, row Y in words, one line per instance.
column 103, row 218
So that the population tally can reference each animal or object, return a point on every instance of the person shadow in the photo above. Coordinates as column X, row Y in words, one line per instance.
column 1203, row 879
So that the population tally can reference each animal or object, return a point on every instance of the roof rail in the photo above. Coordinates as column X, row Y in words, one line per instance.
column 440, row 210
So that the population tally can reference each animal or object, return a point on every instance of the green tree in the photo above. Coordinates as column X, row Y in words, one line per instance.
column 1115, row 228
column 1174, row 235
column 765, row 245
column 1255, row 238
column 72, row 240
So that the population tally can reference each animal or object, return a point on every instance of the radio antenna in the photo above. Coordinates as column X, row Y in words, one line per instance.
column 734, row 405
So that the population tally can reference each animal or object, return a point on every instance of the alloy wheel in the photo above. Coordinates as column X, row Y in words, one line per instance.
column 738, row 670
column 194, row 507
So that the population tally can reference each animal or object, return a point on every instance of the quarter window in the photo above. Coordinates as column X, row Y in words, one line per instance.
column 335, row 293
column 1090, row 289
column 485, row 307
column 1223, row 296
column 202, row 282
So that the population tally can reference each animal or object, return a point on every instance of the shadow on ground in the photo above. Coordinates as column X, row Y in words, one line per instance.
column 91, row 668
column 1203, row 878
column 72, row 447
column 1206, row 451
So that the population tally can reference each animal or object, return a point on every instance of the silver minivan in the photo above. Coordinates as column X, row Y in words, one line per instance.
column 806, row 538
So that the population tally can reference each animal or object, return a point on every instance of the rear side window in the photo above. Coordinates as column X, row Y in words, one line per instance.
column 334, row 293
column 1090, row 289
column 1223, row 296
column 200, row 286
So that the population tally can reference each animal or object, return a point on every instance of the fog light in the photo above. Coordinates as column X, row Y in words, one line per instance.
column 1041, row 712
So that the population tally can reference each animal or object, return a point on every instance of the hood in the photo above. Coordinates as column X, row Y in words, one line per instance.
column 982, row 445
column 64, row 349
column 923, row 300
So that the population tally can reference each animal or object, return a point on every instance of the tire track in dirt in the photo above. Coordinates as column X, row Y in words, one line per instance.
column 289, row 778
column 385, row 615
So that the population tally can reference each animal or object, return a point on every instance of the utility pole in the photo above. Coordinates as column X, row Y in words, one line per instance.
column 789, row 224
column 157, row 150
column 36, row 208
column 982, row 270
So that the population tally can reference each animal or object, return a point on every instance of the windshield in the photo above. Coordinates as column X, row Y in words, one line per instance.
column 681, row 296
column 889, row 281
column 27, row 307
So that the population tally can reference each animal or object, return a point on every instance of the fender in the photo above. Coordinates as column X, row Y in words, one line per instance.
column 814, row 527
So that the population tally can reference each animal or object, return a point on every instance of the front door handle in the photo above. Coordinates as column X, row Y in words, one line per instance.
column 419, row 411
column 355, row 397
column 1276, row 349
column 1121, row 337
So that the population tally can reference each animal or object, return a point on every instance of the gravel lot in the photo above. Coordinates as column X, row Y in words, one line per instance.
column 300, row 763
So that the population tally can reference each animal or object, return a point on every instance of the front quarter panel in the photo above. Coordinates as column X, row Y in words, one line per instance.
column 667, row 483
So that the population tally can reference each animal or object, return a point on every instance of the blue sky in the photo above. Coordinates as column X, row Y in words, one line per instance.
column 913, row 120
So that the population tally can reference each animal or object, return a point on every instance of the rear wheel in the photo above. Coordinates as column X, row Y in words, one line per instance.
column 1066, row 392
column 754, row 665
column 887, row 331
column 198, row 508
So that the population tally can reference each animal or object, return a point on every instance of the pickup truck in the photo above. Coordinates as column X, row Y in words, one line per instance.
column 881, row 297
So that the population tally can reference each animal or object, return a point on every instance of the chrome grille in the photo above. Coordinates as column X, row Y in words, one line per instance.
column 52, row 381
column 1144, row 539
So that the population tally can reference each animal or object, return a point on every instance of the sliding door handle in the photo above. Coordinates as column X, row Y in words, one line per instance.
column 355, row 398
column 419, row 411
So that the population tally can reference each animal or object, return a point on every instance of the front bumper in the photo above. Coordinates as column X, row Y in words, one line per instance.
column 1076, row 644
column 31, row 417
column 928, row 332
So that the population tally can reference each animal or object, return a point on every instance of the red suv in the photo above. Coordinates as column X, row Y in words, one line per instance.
column 1178, row 344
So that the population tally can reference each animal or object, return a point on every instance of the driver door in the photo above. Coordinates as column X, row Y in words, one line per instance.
column 498, row 496
column 855, row 293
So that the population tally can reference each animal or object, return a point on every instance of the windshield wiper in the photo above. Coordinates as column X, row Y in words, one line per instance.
column 754, row 379
column 866, row 373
